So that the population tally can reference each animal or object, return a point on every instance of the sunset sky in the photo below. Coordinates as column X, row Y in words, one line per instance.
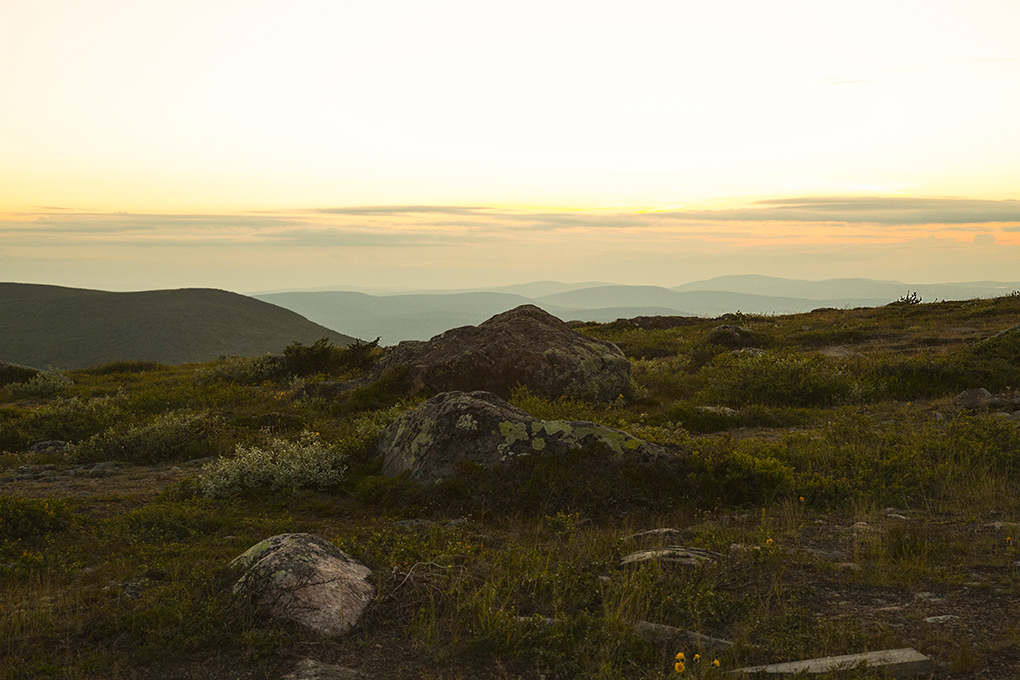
column 260, row 145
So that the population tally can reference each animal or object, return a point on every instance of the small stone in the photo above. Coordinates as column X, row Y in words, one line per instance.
column 941, row 619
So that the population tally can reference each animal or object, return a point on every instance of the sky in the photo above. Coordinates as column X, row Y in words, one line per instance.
column 257, row 145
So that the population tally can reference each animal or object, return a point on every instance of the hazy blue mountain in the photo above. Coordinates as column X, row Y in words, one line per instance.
column 45, row 326
column 615, row 296
column 393, row 318
column 532, row 290
column 849, row 289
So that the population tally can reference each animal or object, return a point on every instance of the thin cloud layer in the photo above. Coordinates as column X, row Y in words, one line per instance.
column 871, row 210
column 920, row 240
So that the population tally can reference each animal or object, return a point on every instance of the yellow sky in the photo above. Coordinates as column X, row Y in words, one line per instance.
column 230, row 108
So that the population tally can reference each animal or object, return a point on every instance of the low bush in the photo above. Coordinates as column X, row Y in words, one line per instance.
column 242, row 370
column 323, row 357
column 27, row 518
column 71, row 420
column 12, row 373
column 44, row 385
column 126, row 366
column 780, row 379
column 307, row 462
column 174, row 436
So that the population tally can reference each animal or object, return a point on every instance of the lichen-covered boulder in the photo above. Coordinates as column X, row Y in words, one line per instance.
column 524, row 346
column 479, row 427
column 305, row 578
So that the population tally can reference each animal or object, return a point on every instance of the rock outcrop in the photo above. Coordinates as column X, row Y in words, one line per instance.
column 480, row 428
column 525, row 346
column 305, row 578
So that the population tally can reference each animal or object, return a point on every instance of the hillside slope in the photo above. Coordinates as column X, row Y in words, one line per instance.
column 68, row 328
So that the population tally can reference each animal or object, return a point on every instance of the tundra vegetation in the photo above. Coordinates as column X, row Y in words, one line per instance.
column 851, row 502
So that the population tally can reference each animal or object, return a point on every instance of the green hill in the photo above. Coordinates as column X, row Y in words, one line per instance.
column 53, row 326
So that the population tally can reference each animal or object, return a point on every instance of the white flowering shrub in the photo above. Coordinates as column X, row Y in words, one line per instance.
column 307, row 462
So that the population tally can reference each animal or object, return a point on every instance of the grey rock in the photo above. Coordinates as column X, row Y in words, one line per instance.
column 55, row 445
column 310, row 669
column 525, row 347
column 479, row 427
column 660, row 633
column 973, row 399
column 689, row 557
column 305, row 578
column 732, row 336
column 946, row 618
column 905, row 662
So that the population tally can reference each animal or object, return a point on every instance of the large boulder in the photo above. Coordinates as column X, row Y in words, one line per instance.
column 305, row 578
column 479, row 427
column 525, row 346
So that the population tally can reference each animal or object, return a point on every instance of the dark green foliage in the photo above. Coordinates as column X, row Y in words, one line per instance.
column 12, row 373
column 171, row 522
column 748, row 473
column 125, row 366
column 25, row 518
column 921, row 375
column 779, row 379
column 175, row 436
column 68, row 420
column 324, row 358
column 383, row 393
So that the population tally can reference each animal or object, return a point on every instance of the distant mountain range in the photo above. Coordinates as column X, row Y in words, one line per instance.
column 419, row 315
column 52, row 326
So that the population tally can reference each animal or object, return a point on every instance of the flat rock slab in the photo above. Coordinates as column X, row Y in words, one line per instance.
column 900, row 663
column 310, row 669
column 690, row 557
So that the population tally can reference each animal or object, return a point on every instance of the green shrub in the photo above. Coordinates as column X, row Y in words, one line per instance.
column 12, row 373
column 745, row 473
column 921, row 375
column 27, row 518
column 242, row 370
column 779, row 379
column 43, row 385
column 173, row 436
column 323, row 357
column 307, row 462
column 65, row 419
column 125, row 366
column 170, row 522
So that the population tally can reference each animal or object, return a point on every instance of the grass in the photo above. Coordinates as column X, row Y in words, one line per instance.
column 847, row 498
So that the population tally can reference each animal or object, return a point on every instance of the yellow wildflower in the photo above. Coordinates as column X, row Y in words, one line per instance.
column 679, row 666
column 768, row 542
column 679, row 656
column 715, row 662
column 697, row 657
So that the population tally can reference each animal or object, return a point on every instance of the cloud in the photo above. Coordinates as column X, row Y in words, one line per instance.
column 877, row 210
column 392, row 210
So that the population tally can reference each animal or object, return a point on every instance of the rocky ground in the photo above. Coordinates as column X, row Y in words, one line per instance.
column 961, row 611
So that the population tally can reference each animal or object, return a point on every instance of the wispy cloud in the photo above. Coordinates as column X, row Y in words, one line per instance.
column 894, row 210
